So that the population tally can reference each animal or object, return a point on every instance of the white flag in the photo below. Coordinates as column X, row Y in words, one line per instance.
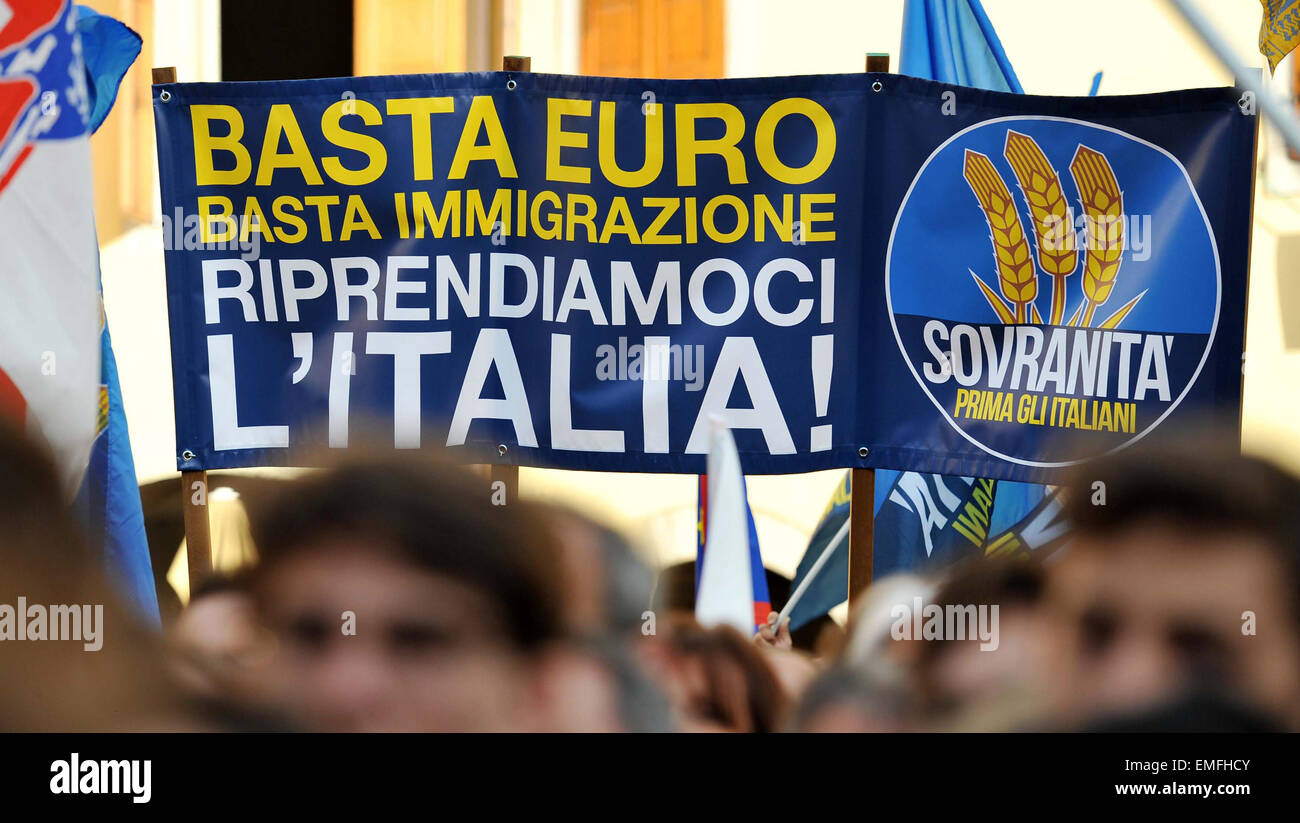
column 726, row 595
column 49, row 287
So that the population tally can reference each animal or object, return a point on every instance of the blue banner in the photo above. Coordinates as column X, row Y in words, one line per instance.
column 851, row 270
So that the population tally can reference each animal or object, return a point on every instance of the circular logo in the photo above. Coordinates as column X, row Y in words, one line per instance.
column 1053, row 285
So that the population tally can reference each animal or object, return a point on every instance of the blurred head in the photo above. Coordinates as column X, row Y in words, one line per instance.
column 607, row 586
column 61, row 685
column 849, row 699
column 716, row 679
column 401, row 598
column 1003, row 680
column 870, row 645
column 1183, row 573
column 793, row 669
column 215, row 644
column 34, row 518
column 597, row 686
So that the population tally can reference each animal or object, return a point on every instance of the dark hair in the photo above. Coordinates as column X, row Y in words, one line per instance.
column 433, row 515
column 1004, row 582
column 1198, row 488
column 992, row 581
column 33, row 516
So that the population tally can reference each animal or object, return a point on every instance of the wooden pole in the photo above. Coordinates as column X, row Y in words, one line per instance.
column 198, row 536
column 862, row 515
column 194, row 484
column 509, row 474
column 862, row 491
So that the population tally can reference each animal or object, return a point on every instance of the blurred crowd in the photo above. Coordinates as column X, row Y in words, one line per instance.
column 391, row 594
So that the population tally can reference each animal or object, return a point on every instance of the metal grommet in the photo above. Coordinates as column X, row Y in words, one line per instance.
column 187, row 455
column 877, row 86
column 501, row 449
column 511, row 85
column 863, row 452
column 164, row 95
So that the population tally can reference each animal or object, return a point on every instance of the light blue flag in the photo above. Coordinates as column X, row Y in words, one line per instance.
column 953, row 41
column 110, row 495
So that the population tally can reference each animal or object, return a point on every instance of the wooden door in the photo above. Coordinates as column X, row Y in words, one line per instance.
column 653, row 38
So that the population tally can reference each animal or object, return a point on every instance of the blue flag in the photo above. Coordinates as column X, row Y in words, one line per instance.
column 831, row 585
column 110, row 495
column 928, row 520
column 953, row 41
column 925, row 521
column 1027, row 518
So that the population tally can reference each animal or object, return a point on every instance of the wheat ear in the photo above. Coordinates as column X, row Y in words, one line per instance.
column 1053, row 224
column 1016, row 274
column 1103, row 203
